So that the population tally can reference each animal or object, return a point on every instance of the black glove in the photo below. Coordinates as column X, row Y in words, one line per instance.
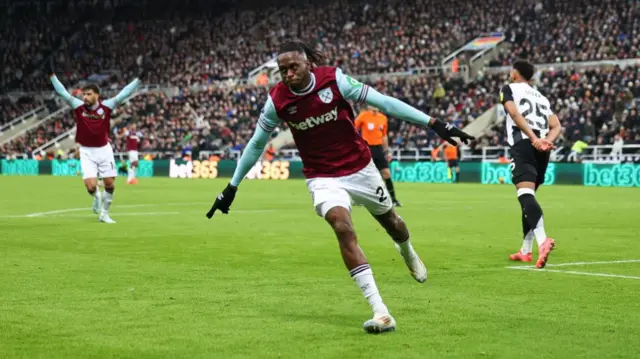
column 49, row 68
column 223, row 201
column 447, row 131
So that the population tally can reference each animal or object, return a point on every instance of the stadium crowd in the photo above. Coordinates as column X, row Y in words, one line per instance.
column 208, row 41
column 565, row 31
column 10, row 110
column 594, row 105
column 204, row 42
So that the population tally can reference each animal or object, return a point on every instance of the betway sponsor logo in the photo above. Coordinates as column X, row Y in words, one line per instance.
column 92, row 116
column 316, row 120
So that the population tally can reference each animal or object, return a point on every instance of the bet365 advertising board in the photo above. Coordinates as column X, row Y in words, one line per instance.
column 588, row 174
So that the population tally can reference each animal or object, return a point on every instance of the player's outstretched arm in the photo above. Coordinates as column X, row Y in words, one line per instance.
column 251, row 154
column 354, row 90
column 266, row 124
column 122, row 95
column 62, row 91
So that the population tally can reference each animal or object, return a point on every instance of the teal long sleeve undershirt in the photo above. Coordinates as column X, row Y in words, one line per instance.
column 251, row 154
column 111, row 102
column 66, row 96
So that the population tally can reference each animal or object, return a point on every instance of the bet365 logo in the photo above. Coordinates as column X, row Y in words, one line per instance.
column 423, row 172
column 193, row 169
column 496, row 173
column 607, row 175
column 278, row 170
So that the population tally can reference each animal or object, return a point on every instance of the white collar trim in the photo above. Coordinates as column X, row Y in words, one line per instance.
column 308, row 89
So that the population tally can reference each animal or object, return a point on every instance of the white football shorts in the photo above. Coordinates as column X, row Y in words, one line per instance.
column 133, row 156
column 364, row 187
column 96, row 161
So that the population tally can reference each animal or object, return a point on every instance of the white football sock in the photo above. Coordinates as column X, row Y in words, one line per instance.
column 364, row 278
column 133, row 172
column 106, row 203
column 130, row 174
column 96, row 194
column 407, row 249
column 527, row 243
column 541, row 235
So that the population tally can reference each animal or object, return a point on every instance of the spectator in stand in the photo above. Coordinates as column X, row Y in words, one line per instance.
column 563, row 31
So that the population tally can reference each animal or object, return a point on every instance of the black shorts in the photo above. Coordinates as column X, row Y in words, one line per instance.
column 528, row 164
column 379, row 158
column 453, row 163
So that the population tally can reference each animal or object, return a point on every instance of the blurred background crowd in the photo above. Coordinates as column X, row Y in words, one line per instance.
column 204, row 51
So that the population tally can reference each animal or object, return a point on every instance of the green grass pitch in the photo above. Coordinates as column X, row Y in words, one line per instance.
column 267, row 280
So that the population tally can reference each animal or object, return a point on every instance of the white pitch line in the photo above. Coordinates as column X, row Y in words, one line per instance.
column 581, row 263
column 577, row 273
column 119, row 214
column 67, row 210
column 38, row 214
column 62, row 212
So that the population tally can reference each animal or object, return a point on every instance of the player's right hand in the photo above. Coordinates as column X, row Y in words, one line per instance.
column 223, row 201
column 447, row 131
column 543, row 145
column 49, row 68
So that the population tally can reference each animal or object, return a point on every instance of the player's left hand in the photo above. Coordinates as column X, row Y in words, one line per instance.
column 545, row 145
column 447, row 131
column 223, row 201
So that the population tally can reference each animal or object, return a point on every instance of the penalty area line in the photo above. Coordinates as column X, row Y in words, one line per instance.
column 579, row 263
column 606, row 275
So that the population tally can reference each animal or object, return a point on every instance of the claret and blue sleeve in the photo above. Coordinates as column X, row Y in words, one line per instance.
column 122, row 95
column 267, row 123
column 356, row 91
column 62, row 91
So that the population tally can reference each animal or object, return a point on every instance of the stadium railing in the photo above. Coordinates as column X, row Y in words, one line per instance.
column 596, row 154
column 606, row 154
column 35, row 112
column 226, row 154
column 570, row 65
column 482, row 46
column 35, row 124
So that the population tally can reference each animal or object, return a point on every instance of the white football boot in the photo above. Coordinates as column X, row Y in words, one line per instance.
column 104, row 218
column 380, row 323
column 414, row 263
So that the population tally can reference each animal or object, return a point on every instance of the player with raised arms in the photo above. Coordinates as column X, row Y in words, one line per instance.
column 93, row 122
column 532, row 128
column 312, row 100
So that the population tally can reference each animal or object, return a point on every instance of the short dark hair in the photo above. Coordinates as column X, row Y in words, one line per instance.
column 525, row 68
column 314, row 56
column 92, row 87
